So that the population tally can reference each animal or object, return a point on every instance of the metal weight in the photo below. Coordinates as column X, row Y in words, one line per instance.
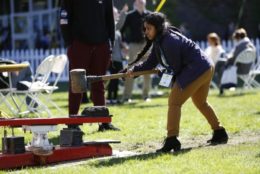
column 78, row 80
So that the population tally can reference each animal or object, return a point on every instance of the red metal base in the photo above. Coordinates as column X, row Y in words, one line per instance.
column 53, row 121
column 10, row 161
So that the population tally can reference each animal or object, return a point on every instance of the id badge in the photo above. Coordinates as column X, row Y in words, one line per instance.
column 166, row 80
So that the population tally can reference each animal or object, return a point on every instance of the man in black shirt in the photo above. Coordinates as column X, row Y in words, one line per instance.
column 131, row 26
column 88, row 30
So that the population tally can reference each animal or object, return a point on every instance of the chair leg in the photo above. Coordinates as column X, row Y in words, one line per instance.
column 255, row 83
column 47, row 98
column 42, row 106
column 31, row 108
column 4, row 99
column 214, row 85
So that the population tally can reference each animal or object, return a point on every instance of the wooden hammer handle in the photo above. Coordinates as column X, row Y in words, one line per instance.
column 124, row 75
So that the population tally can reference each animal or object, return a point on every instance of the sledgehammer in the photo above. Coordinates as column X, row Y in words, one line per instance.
column 79, row 80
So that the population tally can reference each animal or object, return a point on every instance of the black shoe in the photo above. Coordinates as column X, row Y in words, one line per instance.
column 107, row 126
column 169, row 144
column 219, row 137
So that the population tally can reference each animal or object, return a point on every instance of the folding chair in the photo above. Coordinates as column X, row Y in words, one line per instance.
column 7, row 100
column 36, row 87
column 244, row 64
column 59, row 64
column 6, row 97
column 252, row 75
column 5, row 92
column 7, row 89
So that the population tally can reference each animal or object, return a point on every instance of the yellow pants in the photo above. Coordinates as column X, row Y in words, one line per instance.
column 198, row 91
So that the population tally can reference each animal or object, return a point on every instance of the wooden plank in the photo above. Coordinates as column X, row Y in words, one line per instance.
column 12, row 67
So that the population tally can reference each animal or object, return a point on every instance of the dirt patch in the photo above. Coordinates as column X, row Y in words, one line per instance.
column 234, row 139
column 197, row 142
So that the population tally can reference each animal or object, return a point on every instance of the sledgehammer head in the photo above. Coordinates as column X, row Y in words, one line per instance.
column 78, row 80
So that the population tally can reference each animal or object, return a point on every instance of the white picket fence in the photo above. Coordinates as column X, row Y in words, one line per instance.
column 36, row 56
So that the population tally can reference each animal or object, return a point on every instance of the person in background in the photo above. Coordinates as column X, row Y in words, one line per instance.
column 5, row 37
column 216, row 52
column 131, row 26
column 116, row 65
column 88, row 29
column 189, row 71
column 229, row 30
column 258, row 30
column 185, row 30
column 241, row 43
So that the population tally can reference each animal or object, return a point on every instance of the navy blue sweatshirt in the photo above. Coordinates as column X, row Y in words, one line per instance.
column 183, row 56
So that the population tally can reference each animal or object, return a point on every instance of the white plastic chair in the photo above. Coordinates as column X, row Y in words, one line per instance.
column 59, row 64
column 36, row 87
column 252, row 75
column 7, row 95
column 244, row 61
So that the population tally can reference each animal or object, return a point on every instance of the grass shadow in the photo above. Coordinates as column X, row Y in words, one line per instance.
column 258, row 155
column 257, row 113
column 60, row 106
column 140, row 157
column 238, row 94
column 59, row 100
column 148, row 106
column 137, row 105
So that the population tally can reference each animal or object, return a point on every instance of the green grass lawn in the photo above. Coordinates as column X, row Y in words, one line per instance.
column 143, row 130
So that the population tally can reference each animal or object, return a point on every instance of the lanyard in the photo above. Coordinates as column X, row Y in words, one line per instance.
column 163, row 59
